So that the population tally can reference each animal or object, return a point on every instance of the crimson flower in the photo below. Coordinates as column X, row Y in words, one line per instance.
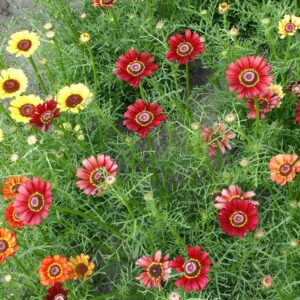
column 56, row 292
column 297, row 119
column 133, row 66
column 184, row 48
column 249, row 76
column 194, row 270
column 294, row 88
column 44, row 114
column 142, row 116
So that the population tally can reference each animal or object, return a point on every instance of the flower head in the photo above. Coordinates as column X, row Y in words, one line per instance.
column 12, row 218
column 194, row 269
column 82, row 268
column 223, row 7
column 283, row 168
column 94, row 172
column 48, row 26
column 85, row 37
column 238, row 217
column 33, row 201
column 294, row 88
column 267, row 281
column 57, row 292
column 133, row 66
column 141, row 116
column 249, row 76
column 173, row 296
column 50, row 34
column 184, row 47
column 23, row 43
column 104, row 3
column 31, row 140
column 156, row 269
column 288, row 26
column 8, row 244
column 233, row 31
column 14, row 157
column 11, row 186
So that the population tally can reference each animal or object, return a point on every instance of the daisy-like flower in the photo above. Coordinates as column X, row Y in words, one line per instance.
column 267, row 281
column 233, row 192
column 57, row 292
column 44, row 114
column 11, row 186
column 23, row 106
column 249, row 76
column 74, row 98
column 85, row 37
column 133, row 66
column 278, row 91
column 23, row 43
column 216, row 137
column 156, row 269
column 94, row 172
column 238, row 217
column 13, row 82
column 141, row 116
column 223, row 7
column 294, row 88
column 283, row 168
column 288, row 26
column 12, row 218
column 174, row 296
column 104, row 3
column 33, row 201
column 82, row 268
column 194, row 269
column 267, row 100
column 8, row 244
column 184, row 48
column 54, row 269
column 297, row 118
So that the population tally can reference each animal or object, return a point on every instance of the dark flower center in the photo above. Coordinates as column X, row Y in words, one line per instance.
column 3, row 246
column 192, row 268
column 15, row 188
column 11, row 86
column 144, row 118
column 263, row 103
column 249, row 77
column 290, row 27
column 81, row 269
column 97, row 177
column 73, row 100
column 135, row 68
column 26, row 109
column 184, row 49
column 238, row 219
column 285, row 169
column 36, row 202
column 54, row 270
column 24, row 45
column 47, row 116
column 59, row 297
column 155, row 270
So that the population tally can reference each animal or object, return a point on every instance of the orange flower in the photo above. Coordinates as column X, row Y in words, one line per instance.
column 8, row 244
column 283, row 168
column 11, row 185
column 12, row 218
column 82, row 268
column 54, row 269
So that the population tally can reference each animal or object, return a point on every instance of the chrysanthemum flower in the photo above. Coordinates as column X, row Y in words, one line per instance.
column 82, row 268
column 133, row 66
column 156, row 270
column 283, row 168
column 217, row 136
column 13, row 82
column 33, row 201
column 94, row 172
column 11, row 186
column 23, row 43
column 74, row 98
column 267, row 100
column 44, row 114
column 104, row 3
column 54, row 269
column 278, row 91
column 23, row 106
column 297, row 118
column 249, row 76
column 233, row 192
column 194, row 270
column 223, row 7
column 8, row 244
column 12, row 218
column 238, row 217
column 57, row 292
column 141, row 116
column 85, row 37
column 294, row 88
column 288, row 26
column 184, row 48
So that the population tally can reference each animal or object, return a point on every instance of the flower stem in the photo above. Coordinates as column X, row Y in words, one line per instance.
column 287, row 51
column 1, row 62
column 92, row 59
column 257, row 110
column 188, row 88
column 117, row 24
column 61, row 63
column 37, row 74
column 142, row 91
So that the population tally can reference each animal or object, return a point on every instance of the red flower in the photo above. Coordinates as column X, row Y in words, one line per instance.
column 56, row 292
column 44, row 114
column 294, row 88
column 142, row 116
column 238, row 217
column 298, row 243
column 297, row 119
column 33, row 201
column 156, row 270
column 249, row 76
column 133, row 66
column 12, row 218
column 95, row 173
column 267, row 101
column 103, row 3
column 195, row 269
column 184, row 48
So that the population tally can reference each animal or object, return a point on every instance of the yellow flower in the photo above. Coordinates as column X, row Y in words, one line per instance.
column 13, row 82
column 82, row 268
column 1, row 135
column 22, row 106
column 23, row 43
column 85, row 37
column 74, row 97
column 288, row 26
column 223, row 7
column 277, row 90
column 48, row 26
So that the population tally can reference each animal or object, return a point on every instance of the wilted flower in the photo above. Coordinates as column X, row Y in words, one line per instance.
column 31, row 140
column 50, row 34
column 148, row 197
column 267, row 281
column 244, row 162
column 195, row 126
column 233, row 31
column 223, row 7
column 160, row 24
column 259, row 233
column 230, row 118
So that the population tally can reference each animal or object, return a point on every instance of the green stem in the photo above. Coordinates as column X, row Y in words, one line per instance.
column 271, row 43
column 117, row 24
column 61, row 63
column 142, row 91
column 287, row 52
column 257, row 119
column 264, row 4
column 92, row 60
column 37, row 74
column 1, row 62
column 123, row 200
column 296, row 6
column 188, row 88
